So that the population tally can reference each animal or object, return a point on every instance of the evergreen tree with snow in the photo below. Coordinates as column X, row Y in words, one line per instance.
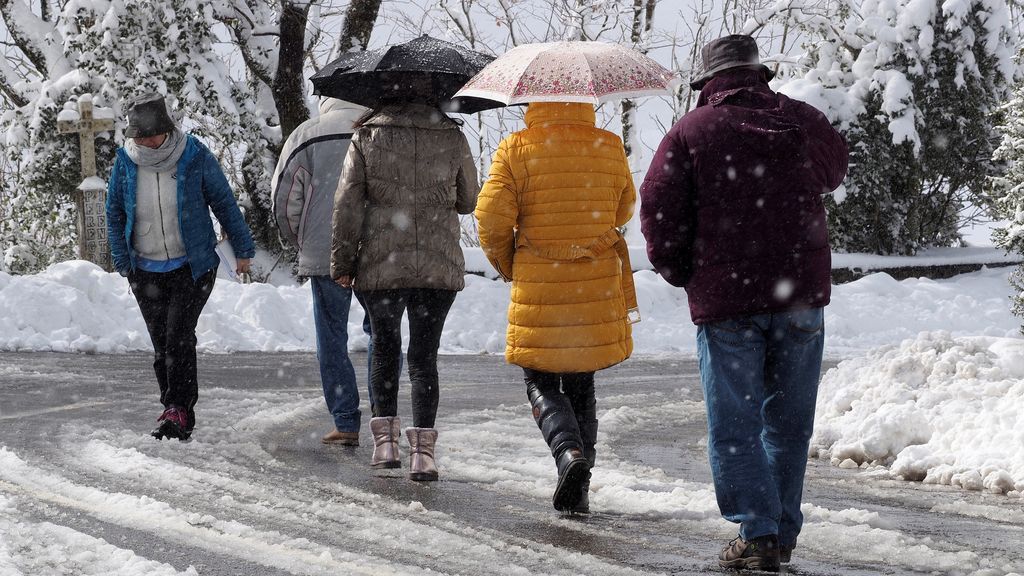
column 916, row 85
column 1007, row 191
column 113, row 50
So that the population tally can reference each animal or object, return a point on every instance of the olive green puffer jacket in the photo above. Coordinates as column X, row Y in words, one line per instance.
column 408, row 175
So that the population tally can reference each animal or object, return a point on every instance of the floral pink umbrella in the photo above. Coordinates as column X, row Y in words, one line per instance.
column 593, row 72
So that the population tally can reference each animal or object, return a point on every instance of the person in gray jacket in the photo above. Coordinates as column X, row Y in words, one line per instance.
column 304, row 182
column 408, row 175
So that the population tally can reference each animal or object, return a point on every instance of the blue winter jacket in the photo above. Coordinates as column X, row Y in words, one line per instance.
column 202, row 187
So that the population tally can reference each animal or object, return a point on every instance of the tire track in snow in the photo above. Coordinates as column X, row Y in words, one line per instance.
column 263, row 509
column 43, row 548
column 638, row 493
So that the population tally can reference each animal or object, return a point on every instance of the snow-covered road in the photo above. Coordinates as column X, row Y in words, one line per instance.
column 83, row 490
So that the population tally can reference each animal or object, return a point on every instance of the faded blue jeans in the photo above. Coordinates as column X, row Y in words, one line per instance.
column 760, row 376
column 330, row 315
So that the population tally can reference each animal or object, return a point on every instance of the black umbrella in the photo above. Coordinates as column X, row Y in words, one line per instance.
column 425, row 71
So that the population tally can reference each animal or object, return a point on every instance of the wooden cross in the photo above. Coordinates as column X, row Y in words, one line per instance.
column 86, row 126
column 90, row 197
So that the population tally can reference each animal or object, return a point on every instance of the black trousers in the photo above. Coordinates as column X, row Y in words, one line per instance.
column 428, row 308
column 577, row 387
column 171, row 303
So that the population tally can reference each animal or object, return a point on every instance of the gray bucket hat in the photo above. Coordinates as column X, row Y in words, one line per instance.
column 147, row 116
column 726, row 53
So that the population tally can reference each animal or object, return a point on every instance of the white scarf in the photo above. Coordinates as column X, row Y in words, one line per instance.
column 162, row 159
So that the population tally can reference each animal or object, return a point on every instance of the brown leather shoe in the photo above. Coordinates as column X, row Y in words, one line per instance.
column 339, row 438
column 761, row 553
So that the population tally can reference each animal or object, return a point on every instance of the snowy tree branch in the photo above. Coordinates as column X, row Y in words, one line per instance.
column 24, row 28
column 241, row 32
column 12, row 95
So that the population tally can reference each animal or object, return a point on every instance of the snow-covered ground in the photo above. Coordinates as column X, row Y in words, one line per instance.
column 944, row 406
column 76, row 307
column 256, row 486
column 931, row 387
column 935, row 408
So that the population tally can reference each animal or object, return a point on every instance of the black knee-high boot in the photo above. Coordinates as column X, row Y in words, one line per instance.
column 557, row 422
column 580, row 390
column 588, row 433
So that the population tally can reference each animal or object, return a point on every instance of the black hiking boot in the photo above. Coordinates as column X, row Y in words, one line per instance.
column 173, row 423
column 785, row 553
column 761, row 553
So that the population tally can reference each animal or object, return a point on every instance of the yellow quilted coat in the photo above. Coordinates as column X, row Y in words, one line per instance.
column 547, row 219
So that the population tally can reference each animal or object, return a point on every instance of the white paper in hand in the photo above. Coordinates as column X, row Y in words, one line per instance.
column 228, row 262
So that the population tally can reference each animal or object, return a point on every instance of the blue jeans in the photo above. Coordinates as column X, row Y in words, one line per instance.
column 760, row 375
column 330, row 315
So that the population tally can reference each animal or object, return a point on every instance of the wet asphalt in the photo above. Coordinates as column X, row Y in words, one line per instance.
column 41, row 391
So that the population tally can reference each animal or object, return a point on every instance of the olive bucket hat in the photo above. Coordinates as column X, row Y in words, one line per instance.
column 147, row 116
column 726, row 53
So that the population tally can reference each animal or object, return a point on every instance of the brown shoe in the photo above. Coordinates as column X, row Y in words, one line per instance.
column 339, row 438
column 761, row 553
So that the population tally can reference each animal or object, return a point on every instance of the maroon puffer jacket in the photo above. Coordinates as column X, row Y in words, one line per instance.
column 731, row 206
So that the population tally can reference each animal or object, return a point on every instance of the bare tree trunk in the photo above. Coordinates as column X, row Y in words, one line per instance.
column 628, row 127
column 360, row 17
column 643, row 12
column 288, row 86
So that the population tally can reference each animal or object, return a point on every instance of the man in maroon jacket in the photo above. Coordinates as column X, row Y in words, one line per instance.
column 731, row 209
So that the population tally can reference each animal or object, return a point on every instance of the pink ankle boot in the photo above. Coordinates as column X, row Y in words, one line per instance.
column 421, row 454
column 385, row 430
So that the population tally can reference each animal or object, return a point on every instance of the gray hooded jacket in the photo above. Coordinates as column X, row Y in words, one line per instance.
column 304, row 182
column 408, row 175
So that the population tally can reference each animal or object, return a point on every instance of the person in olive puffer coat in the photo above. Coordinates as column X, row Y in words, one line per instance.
column 548, row 219
column 407, row 176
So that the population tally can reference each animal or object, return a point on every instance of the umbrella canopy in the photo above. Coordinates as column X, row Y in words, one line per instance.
column 593, row 72
column 425, row 71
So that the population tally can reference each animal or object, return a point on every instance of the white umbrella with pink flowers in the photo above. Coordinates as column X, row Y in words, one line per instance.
column 593, row 72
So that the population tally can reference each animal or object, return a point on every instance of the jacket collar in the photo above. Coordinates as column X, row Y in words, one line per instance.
column 191, row 150
column 731, row 82
column 413, row 116
column 574, row 113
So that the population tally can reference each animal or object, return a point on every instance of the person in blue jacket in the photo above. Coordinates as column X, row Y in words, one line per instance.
column 162, row 188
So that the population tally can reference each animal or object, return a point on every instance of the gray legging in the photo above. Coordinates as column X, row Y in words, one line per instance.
column 428, row 309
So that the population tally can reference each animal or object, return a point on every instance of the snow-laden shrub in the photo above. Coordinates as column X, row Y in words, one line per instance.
column 915, row 85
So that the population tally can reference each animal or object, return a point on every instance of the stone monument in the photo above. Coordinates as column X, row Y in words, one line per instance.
column 91, row 195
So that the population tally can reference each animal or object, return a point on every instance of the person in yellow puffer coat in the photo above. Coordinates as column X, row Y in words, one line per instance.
column 548, row 218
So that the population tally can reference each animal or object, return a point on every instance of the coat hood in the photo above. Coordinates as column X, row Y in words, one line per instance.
column 541, row 113
column 412, row 116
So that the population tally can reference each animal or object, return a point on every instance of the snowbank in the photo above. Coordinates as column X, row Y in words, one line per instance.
column 935, row 408
column 76, row 307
